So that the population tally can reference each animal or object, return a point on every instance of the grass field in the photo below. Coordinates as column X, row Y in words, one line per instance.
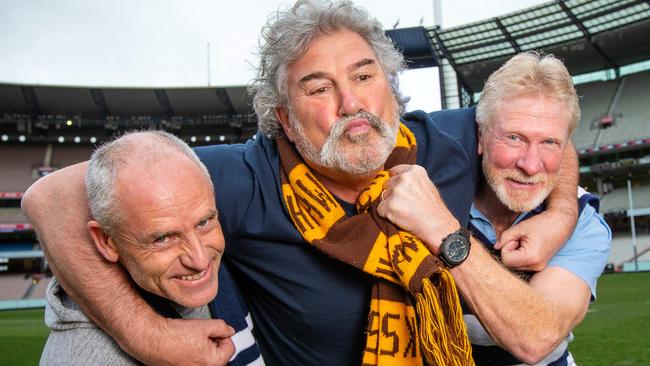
column 616, row 331
column 22, row 336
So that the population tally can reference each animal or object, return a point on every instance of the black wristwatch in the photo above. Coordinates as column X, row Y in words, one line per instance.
column 454, row 249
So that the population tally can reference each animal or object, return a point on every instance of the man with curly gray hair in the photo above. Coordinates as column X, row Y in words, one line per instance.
column 344, row 217
column 286, row 38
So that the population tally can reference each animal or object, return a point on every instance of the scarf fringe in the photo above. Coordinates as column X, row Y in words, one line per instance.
column 443, row 334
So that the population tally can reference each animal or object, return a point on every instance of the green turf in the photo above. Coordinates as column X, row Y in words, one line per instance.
column 615, row 331
column 22, row 336
column 617, row 327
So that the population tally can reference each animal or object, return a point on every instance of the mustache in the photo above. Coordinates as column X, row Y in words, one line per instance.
column 515, row 175
column 375, row 122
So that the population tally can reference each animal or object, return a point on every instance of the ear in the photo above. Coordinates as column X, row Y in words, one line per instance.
column 104, row 243
column 282, row 115
column 480, row 145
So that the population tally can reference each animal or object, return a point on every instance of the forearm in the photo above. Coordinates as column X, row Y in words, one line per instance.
column 56, row 206
column 562, row 200
column 518, row 317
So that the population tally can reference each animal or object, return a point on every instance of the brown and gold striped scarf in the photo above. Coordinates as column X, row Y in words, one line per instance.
column 397, row 333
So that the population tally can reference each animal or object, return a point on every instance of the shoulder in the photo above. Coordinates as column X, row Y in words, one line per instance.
column 591, row 230
column 446, row 148
column 587, row 250
column 591, row 235
column 236, row 172
column 455, row 122
column 83, row 346
column 591, row 224
column 74, row 339
column 61, row 312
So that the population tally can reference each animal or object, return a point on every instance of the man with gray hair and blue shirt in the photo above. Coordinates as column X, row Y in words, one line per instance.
column 323, row 214
column 526, row 115
column 154, row 212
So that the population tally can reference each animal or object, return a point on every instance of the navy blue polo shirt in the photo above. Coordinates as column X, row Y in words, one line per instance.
column 307, row 308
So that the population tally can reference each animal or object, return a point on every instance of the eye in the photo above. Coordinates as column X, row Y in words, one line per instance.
column 364, row 77
column 207, row 223
column 513, row 138
column 161, row 239
column 321, row 90
column 552, row 144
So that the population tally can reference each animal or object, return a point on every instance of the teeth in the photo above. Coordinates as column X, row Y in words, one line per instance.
column 194, row 277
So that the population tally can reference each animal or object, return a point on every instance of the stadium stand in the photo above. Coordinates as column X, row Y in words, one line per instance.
column 617, row 200
column 632, row 111
column 623, row 248
column 38, row 287
column 12, row 215
column 20, row 286
column 13, row 286
column 595, row 99
column 16, row 164
column 64, row 155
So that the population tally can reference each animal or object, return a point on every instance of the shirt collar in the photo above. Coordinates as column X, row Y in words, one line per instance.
column 475, row 214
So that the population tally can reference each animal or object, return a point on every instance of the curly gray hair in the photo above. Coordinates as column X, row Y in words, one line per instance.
column 287, row 35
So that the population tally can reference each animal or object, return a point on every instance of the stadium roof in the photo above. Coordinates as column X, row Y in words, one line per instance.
column 587, row 35
column 91, row 103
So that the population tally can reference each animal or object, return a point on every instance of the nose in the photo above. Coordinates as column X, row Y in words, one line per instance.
column 530, row 161
column 349, row 102
column 196, row 255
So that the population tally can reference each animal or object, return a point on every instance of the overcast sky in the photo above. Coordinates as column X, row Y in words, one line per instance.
column 163, row 43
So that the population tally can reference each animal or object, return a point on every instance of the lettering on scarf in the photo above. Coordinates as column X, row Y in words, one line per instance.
column 317, row 193
column 311, row 207
column 372, row 191
column 410, row 345
column 400, row 253
column 386, row 332
column 298, row 216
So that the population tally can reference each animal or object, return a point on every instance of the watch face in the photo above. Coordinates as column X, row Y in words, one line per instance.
column 455, row 249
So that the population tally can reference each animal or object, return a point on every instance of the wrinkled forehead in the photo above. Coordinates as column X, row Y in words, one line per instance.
column 535, row 110
column 342, row 49
column 157, row 184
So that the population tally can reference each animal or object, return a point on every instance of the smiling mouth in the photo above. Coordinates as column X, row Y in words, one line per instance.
column 523, row 183
column 193, row 277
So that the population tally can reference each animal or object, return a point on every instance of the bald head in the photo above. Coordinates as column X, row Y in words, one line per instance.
column 136, row 161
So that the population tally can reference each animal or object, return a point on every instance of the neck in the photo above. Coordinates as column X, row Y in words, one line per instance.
column 500, row 216
column 345, row 186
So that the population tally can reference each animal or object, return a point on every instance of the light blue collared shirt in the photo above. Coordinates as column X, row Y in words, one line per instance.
column 584, row 254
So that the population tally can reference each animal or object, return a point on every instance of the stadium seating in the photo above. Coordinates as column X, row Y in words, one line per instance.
column 595, row 99
column 632, row 109
column 12, row 215
column 65, row 155
column 16, row 166
column 39, row 288
column 617, row 200
column 16, row 286
column 631, row 112
column 13, row 286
